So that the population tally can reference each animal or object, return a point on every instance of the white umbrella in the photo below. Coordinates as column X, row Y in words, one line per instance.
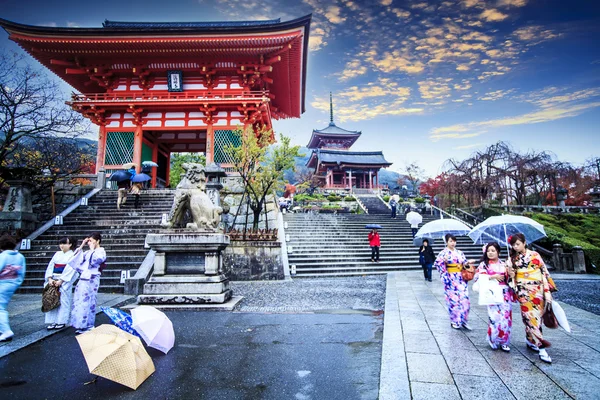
column 414, row 218
column 440, row 227
column 154, row 327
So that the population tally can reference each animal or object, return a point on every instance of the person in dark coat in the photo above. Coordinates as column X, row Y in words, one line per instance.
column 426, row 259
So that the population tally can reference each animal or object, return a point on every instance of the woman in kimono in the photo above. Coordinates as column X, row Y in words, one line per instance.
column 449, row 263
column 58, row 275
column 500, row 315
column 12, row 274
column 88, row 264
column 533, row 285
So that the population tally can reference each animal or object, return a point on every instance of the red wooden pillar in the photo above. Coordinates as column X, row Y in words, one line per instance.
column 210, row 144
column 168, row 177
column 137, row 147
column 155, row 159
column 101, row 154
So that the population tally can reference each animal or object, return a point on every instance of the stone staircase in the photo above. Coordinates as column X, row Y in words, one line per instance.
column 337, row 245
column 374, row 204
column 123, row 234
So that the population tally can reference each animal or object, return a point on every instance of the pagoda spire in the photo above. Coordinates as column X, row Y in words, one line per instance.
column 330, row 110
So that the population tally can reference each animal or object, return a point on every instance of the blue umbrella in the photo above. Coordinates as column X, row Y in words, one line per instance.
column 121, row 319
column 373, row 226
column 120, row 176
column 141, row 177
column 150, row 164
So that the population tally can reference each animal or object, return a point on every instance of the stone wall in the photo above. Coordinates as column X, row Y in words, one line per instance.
column 246, row 261
column 231, row 194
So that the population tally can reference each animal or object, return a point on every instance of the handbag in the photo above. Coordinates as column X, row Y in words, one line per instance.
column 548, row 318
column 490, row 291
column 50, row 298
column 467, row 273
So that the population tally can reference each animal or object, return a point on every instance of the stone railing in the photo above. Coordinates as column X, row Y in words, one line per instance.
column 547, row 209
column 568, row 262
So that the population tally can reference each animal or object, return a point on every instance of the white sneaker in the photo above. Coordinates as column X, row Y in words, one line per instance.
column 6, row 336
column 544, row 356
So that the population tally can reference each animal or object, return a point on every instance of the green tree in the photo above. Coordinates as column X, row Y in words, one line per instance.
column 261, row 164
column 177, row 161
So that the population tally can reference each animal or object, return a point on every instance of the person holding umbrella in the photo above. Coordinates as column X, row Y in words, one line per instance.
column 12, row 274
column 533, row 285
column 375, row 243
column 449, row 264
column 414, row 219
column 426, row 259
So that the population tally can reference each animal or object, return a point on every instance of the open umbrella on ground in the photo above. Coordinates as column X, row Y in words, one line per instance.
column 129, row 165
column 414, row 218
column 154, row 327
column 441, row 227
column 141, row 177
column 149, row 164
column 373, row 226
column 501, row 227
column 116, row 355
column 121, row 319
column 119, row 176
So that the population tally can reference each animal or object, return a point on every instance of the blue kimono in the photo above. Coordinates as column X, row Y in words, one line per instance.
column 12, row 274
column 88, row 265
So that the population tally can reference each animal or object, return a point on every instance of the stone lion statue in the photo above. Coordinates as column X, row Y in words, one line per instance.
column 190, row 194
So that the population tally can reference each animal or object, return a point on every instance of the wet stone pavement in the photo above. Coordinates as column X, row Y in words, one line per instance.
column 430, row 360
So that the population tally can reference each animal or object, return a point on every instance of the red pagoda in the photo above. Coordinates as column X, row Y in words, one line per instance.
column 157, row 88
column 337, row 166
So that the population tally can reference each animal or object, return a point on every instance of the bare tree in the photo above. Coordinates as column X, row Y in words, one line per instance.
column 413, row 174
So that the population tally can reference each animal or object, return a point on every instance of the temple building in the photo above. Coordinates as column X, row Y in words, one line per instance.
column 337, row 166
column 154, row 88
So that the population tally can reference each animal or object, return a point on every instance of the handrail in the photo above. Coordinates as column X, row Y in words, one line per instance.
column 442, row 212
column 360, row 203
column 66, row 212
column 381, row 198
column 474, row 217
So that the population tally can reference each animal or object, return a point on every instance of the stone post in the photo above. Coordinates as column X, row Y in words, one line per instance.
column 101, row 178
column 557, row 251
column 578, row 260
column 18, row 211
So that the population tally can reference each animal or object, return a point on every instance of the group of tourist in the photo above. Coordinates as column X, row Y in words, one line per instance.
column 66, row 266
column 523, row 278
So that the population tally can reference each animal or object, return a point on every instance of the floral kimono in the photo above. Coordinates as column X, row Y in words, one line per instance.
column 532, row 283
column 57, row 269
column 500, row 315
column 449, row 264
column 88, row 264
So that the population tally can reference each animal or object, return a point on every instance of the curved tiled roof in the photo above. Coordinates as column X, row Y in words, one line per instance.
column 180, row 25
column 348, row 157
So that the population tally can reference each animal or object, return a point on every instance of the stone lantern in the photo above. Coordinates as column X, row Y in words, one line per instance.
column 214, row 173
column 561, row 195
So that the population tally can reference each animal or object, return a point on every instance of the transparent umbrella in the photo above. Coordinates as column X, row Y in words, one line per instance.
column 501, row 227
column 441, row 227
column 414, row 218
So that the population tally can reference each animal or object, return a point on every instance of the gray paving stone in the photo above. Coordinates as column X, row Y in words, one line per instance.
column 472, row 387
column 420, row 342
column 428, row 391
column 467, row 362
column 428, row 368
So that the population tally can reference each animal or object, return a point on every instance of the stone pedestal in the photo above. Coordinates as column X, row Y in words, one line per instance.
column 188, row 269
column 18, row 211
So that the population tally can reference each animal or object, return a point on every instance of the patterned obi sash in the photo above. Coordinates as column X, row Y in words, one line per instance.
column 59, row 268
column 529, row 275
column 453, row 268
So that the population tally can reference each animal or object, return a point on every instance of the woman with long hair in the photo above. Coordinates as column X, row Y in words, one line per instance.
column 500, row 315
column 532, row 283
column 89, row 265
column 450, row 263
column 57, row 274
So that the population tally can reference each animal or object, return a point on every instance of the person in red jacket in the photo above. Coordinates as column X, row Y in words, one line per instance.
column 375, row 243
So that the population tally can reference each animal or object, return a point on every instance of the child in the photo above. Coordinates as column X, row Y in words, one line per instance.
column 375, row 243
column 58, row 275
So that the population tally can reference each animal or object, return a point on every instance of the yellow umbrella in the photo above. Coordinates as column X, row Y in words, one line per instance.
column 116, row 355
column 129, row 165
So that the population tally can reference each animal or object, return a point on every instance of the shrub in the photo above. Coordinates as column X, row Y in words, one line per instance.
column 419, row 200
column 333, row 197
column 386, row 198
column 332, row 207
column 349, row 199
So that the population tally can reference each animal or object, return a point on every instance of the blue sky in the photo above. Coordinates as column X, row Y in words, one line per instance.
column 423, row 80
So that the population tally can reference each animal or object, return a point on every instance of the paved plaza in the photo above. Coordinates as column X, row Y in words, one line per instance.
column 321, row 339
column 424, row 358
